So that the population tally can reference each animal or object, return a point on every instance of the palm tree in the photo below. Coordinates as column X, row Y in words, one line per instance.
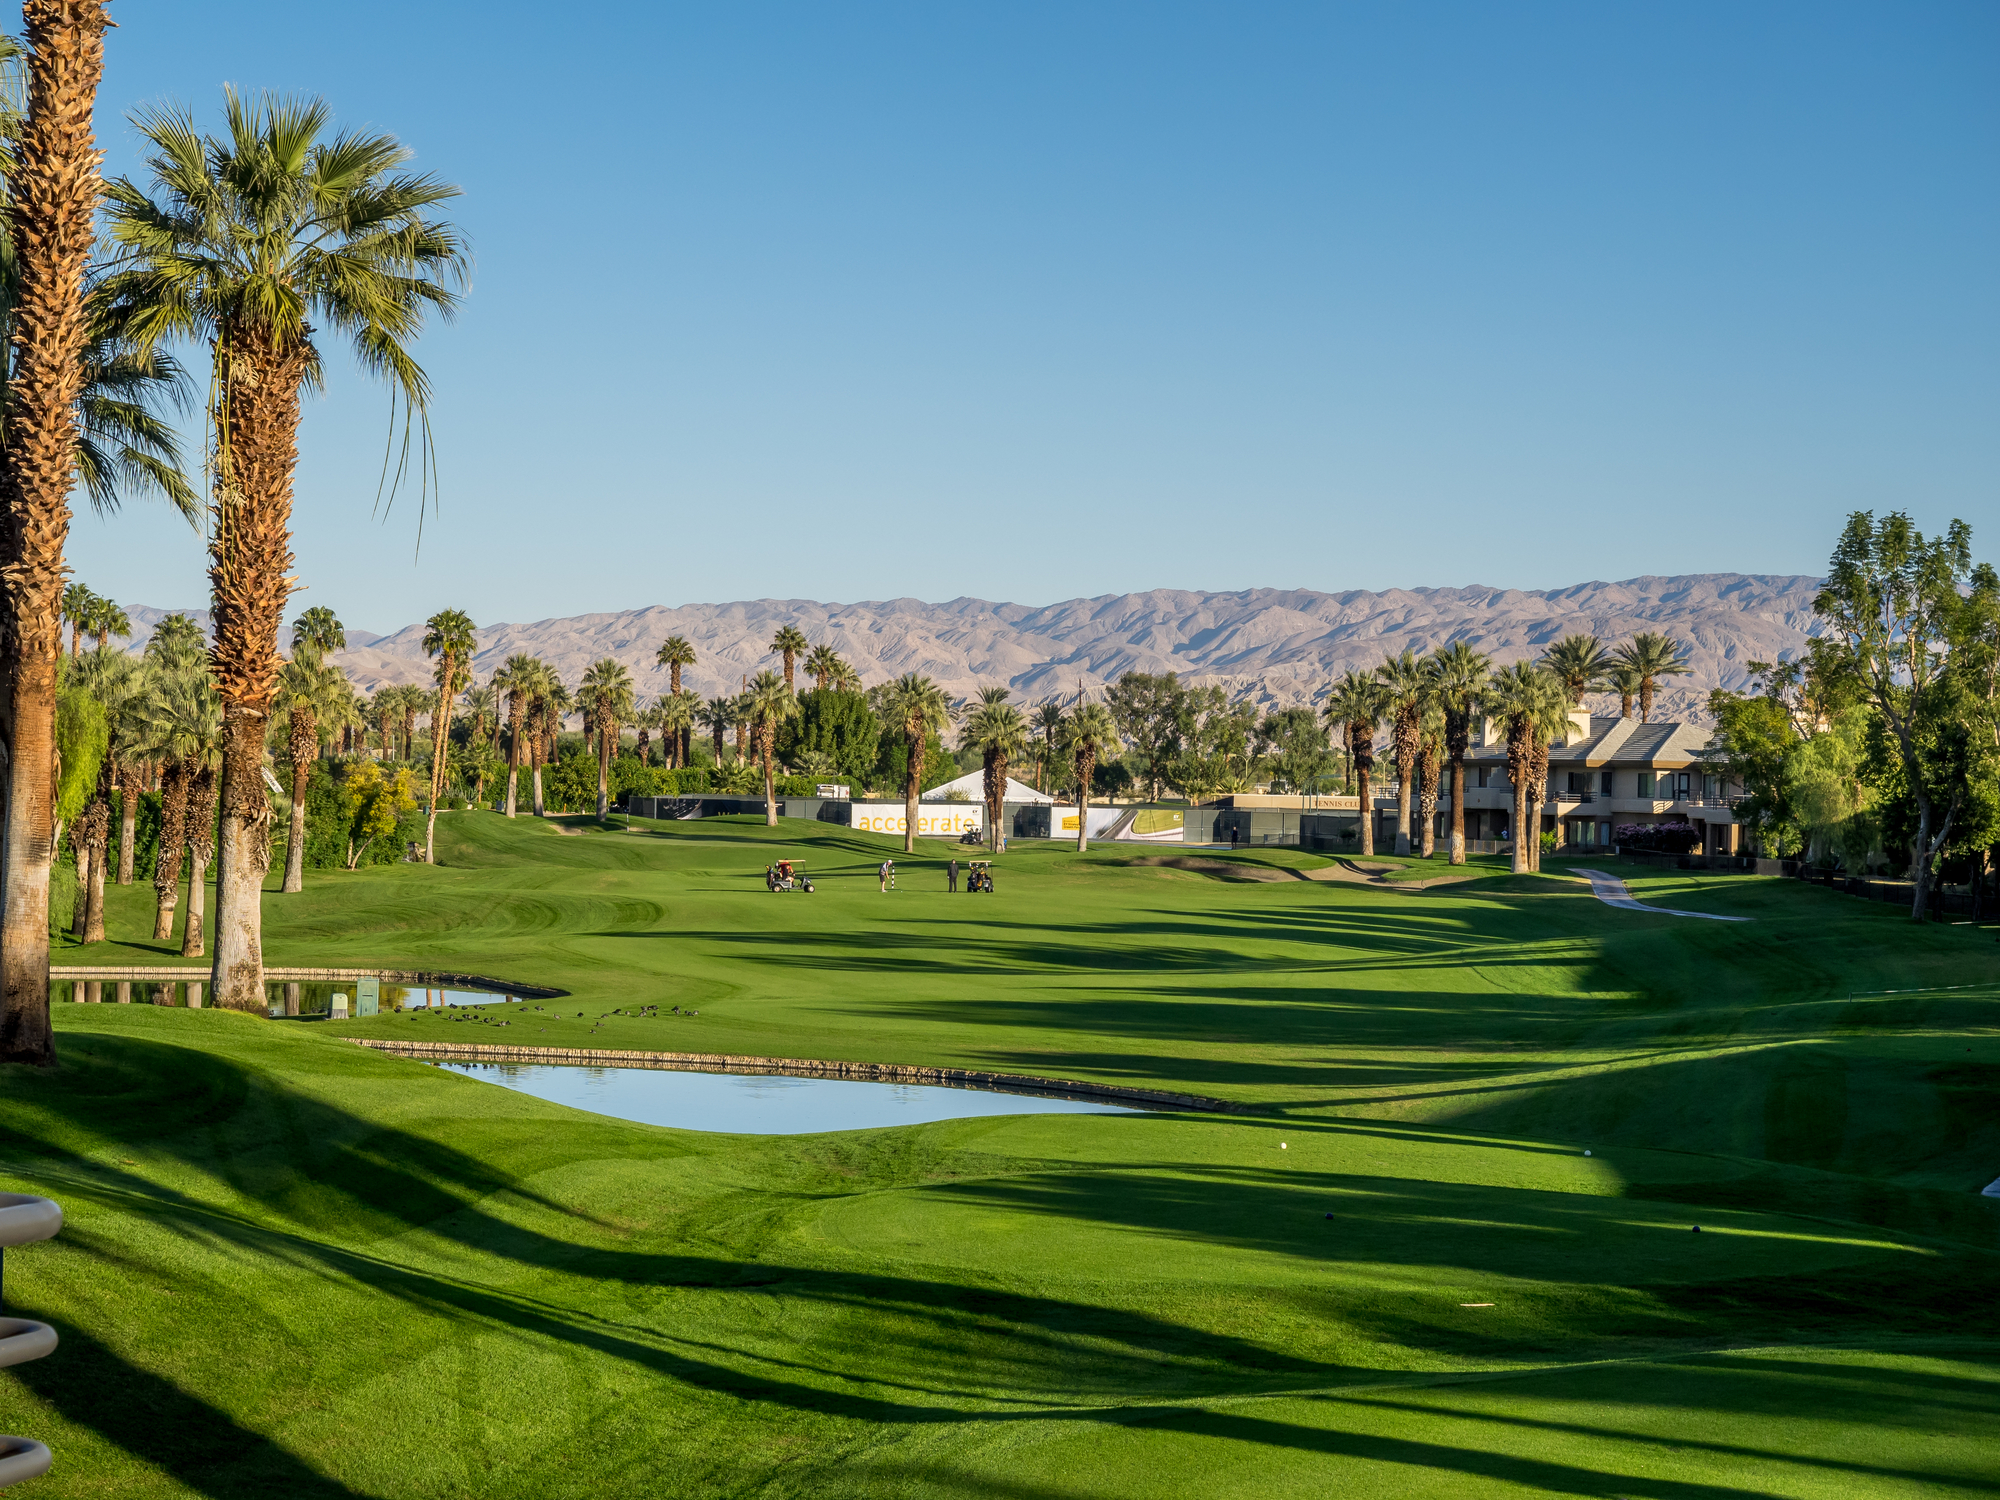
column 998, row 730
column 677, row 711
column 772, row 702
column 107, row 620
column 606, row 696
column 1356, row 703
column 517, row 678
column 79, row 608
column 186, row 733
column 1458, row 674
column 1405, row 690
column 1532, row 702
column 448, row 635
column 1651, row 655
column 119, row 685
column 548, row 702
column 917, row 708
column 675, row 653
column 1430, row 763
column 844, row 678
column 53, row 182
column 318, row 632
column 716, row 716
column 257, row 239
column 1047, row 721
column 740, row 708
column 177, row 641
column 411, row 701
column 824, row 663
column 1088, row 734
column 1625, row 682
column 1580, row 663
column 788, row 643
column 306, row 687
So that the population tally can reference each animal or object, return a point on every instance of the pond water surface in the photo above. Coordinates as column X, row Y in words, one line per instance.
column 758, row 1103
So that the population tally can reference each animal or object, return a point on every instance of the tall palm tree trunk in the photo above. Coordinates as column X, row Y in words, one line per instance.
column 55, row 186
column 996, row 792
column 440, row 732
column 128, row 820
column 1457, row 848
column 301, row 746
column 248, row 578
column 1406, row 780
column 766, row 738
column 173, row 850
column 80, row 913
column 1427, row 797
column 201, row 848
column 910, row 791
column 603, row 772
column 514, row 717
column 1086, row 765
column 1517, row 771
column 98, row 831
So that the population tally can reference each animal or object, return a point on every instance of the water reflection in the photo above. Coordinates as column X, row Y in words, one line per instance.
column 303, row 1000
column 760, row 1104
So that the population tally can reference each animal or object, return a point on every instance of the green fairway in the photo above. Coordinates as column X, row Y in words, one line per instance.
column 293, row 1266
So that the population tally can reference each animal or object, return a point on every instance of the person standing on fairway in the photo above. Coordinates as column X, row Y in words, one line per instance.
column 951, row 877
column 888, row 869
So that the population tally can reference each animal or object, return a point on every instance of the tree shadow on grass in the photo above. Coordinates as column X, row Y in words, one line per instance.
column 924, row 1333
column 158, row 1422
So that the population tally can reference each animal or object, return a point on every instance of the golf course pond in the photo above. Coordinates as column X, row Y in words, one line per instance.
column 760, row 1103
column 300, row 1000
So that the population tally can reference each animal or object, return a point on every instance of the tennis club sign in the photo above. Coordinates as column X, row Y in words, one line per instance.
column 935, row 820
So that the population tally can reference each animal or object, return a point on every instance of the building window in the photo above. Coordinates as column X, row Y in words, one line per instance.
column 1681, row 780
column 1645, row 783
column 1604, row 782
column 1575, row 783
column 1482, row 773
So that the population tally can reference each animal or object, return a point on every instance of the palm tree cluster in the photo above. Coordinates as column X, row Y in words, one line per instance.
column 1634, row 669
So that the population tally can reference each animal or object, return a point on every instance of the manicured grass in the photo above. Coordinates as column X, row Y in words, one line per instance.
column 292, row 1266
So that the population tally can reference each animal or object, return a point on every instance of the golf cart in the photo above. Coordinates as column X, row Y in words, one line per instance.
column 788, row 875
column 979, row 876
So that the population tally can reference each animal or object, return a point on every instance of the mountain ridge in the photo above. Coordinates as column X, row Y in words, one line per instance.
column 1277, row 646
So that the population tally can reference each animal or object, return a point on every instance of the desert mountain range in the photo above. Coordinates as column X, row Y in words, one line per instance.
column 1276, row 646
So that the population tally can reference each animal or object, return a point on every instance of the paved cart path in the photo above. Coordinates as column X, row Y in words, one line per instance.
column 1611, row 891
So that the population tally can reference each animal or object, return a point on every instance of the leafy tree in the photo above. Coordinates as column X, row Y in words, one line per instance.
column 1216, row 751
column 1295, row 749
column 1047, row 721
column 835, row 725
column 375, row 804
column 1153, row 716
column 248, row 244
column 1648, row 657
column 1914, row 628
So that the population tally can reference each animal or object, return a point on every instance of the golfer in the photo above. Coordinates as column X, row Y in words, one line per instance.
column 951, row 877
column 888, row 869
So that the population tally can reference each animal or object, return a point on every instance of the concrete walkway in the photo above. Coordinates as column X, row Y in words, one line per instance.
column 1611, row 891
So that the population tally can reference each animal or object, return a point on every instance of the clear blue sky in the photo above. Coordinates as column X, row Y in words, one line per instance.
column 1037, row 301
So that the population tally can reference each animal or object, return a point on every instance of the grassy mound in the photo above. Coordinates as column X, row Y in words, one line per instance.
column 294, row 1266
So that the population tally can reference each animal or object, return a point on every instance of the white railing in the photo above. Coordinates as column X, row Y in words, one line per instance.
column 24, row 1220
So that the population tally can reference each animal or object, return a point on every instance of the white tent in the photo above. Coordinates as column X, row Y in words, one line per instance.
column 972, row 788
